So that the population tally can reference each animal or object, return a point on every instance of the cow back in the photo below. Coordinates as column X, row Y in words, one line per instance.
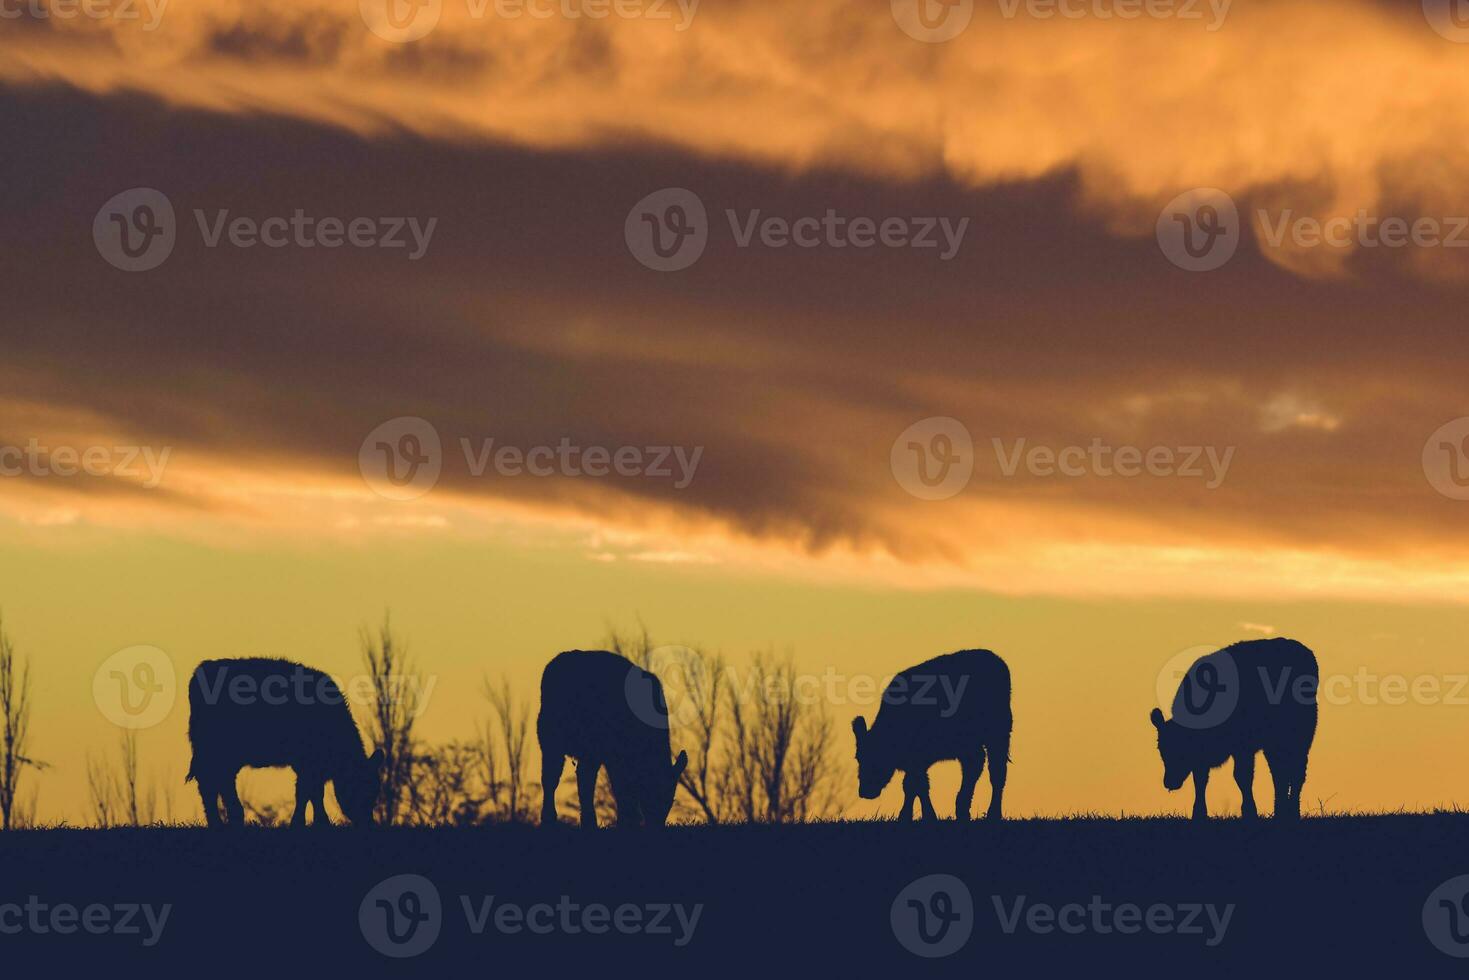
column 599, row 705
column 267, row 712
column 945, row 707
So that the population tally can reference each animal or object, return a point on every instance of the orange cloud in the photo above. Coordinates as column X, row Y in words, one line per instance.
column 1267, row 101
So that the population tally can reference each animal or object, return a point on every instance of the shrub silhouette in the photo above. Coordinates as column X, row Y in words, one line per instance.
column 1253, row 696
column 602, row 710
column 952, row 707
column 264, row 712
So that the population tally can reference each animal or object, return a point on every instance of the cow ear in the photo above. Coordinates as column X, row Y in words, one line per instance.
column 859, row 727
column 1157, row 718
column 376, row 759
column 680, row 764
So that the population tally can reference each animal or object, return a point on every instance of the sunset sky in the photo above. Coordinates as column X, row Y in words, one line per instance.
column 1316, row 379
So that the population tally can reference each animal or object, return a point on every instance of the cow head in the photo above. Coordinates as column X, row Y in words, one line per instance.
column 874, row 769
column 659, row 799
column 358, row 788
column 1174, row 746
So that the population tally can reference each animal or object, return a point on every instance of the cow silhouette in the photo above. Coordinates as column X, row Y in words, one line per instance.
column 265, row 713
column 602, row 710
column 952, row 707
column 1253, row 696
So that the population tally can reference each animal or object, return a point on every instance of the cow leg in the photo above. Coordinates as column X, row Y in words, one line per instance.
column 586, row 791
column 318, row 805
column 303, row 794
column 1244, row 778
column 909, row 795
column 629, row 816
column 916, row 784
column 1282, row 775
column 972, row 768
column 209, row 794
column 233, row 808
column 999, row 768
column 1201, row 803
column 1297, row 783
column 551, row 765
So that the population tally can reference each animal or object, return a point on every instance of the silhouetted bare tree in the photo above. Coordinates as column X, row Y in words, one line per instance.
column 757, row 752
column 636, row 645
column 699, row 689
column 395, row 707
column 102, row 792
column 117, row 793
column 778, row 765
column 15, row 713
column 449, row 786
column 507, row 738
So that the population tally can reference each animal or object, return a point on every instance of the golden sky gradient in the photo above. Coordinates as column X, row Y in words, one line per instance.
column 1321, row 372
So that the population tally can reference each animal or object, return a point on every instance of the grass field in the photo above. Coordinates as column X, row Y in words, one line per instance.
column 1331, row 896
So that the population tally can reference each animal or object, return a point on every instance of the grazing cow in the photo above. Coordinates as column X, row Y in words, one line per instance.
column 262, row 712
column 952, row 707
column 602, row 710
column 1253, row 696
